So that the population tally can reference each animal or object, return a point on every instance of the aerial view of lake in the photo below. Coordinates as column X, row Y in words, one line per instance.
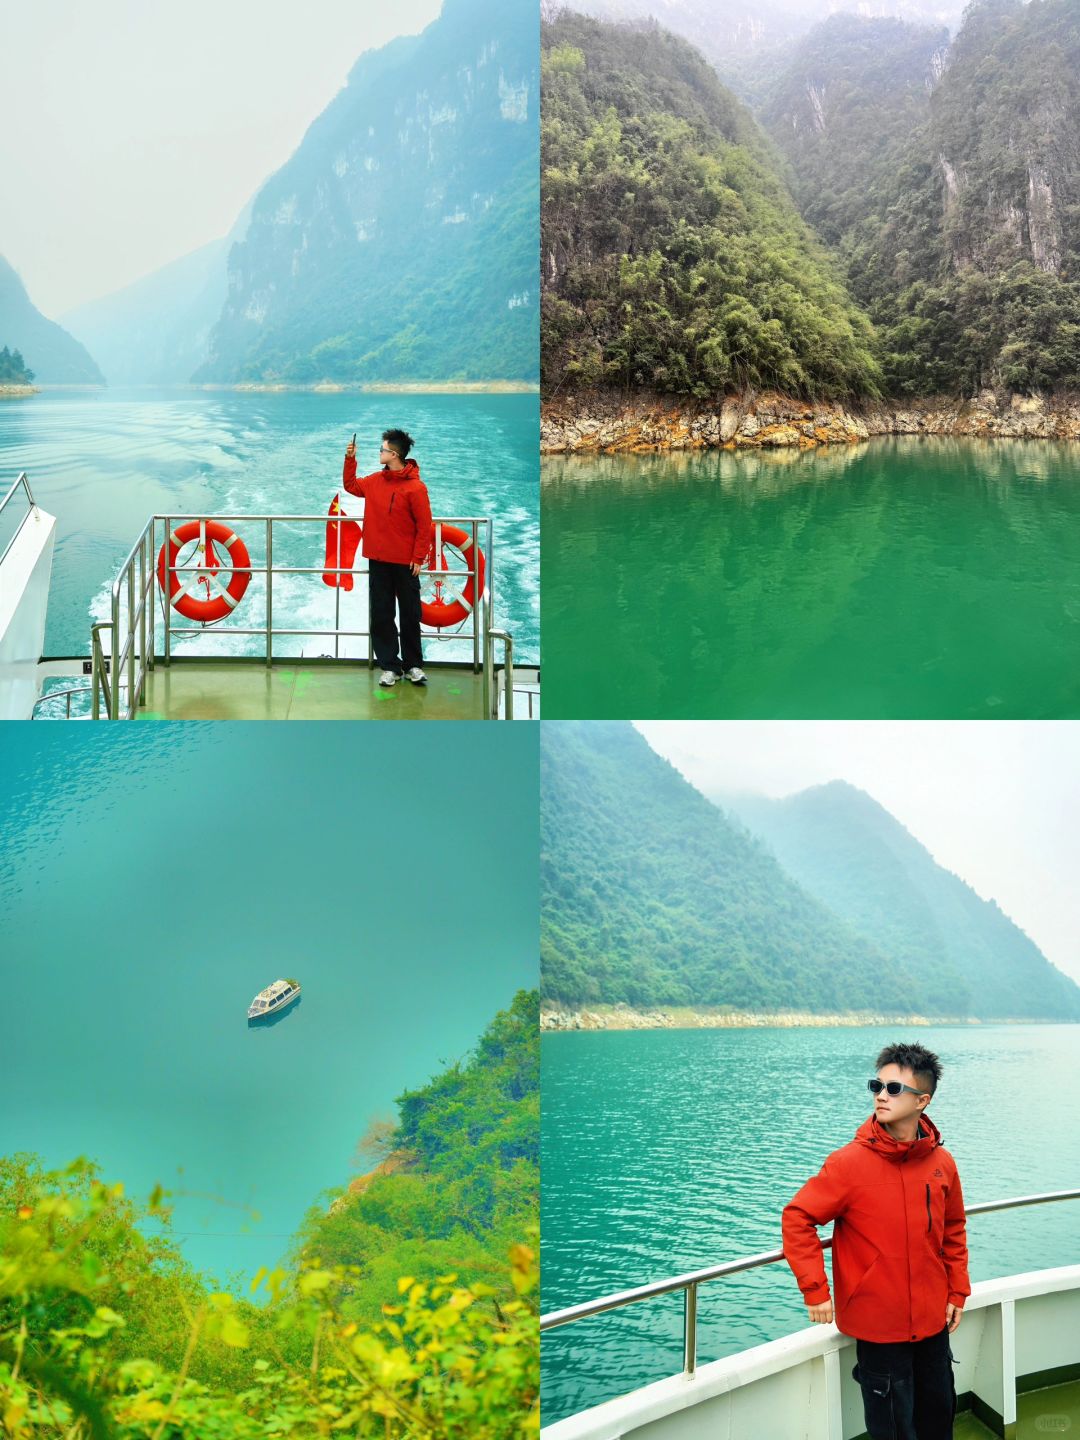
column 154, row 879
column 902, row 578
column 104, row 462
column 670, row 1150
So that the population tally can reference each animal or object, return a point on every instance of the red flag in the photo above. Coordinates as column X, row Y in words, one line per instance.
column 346, row 535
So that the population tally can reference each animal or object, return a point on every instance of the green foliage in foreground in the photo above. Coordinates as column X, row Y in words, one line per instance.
column 446, row 1361
column 406, row 1311
column 13, row 369
column 674, row 257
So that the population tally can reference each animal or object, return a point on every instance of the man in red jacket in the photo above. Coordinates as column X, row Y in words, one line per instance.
column 397, row 537
column 899, row 1251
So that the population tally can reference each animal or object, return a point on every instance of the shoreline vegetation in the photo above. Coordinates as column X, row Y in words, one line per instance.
column 624, row 1017
column 605, row 423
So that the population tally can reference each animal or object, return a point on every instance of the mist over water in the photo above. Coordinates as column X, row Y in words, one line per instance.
column 104, row 463
column 903, row 578
column 670, row 1150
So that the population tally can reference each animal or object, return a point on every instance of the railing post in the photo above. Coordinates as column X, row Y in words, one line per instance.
column 167, row 541
column 269, row 591
column 690, row 1331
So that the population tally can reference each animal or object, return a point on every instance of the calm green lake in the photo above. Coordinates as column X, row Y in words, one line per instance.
column 154, row 878
column 104, row 462
column 671, row 1150
column 903, row 578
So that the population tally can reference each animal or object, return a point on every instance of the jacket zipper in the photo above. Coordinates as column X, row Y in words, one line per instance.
column 929, row 1221
column 393, row 497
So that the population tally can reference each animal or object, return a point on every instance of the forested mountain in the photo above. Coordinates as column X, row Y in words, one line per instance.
column 673, row 255
column 952, row 194
column 468, row 1186
column 105, row 1329
column 844, row 108
column 399, row 242
column 53, row 355
column 157, row 331
column 849, row 852
column 651, row 896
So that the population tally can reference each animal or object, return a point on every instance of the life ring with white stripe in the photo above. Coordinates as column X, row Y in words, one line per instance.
column 216, row 605
column 451, row 606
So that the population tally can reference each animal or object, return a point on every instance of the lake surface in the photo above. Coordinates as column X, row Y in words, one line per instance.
column 103, row 463
column 154, row 878
column 906, row 577
column 670, row 1150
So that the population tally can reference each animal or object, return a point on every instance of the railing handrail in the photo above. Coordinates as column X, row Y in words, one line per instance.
column 25, row 483
column 695, row 1278
column 132, row 645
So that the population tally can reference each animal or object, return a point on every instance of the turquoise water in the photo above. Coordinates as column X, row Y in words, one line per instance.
column 903, row 578
column 671, row 1150
column 103, row 463
column 153, row 879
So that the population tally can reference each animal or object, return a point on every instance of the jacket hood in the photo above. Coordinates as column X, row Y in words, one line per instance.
column 875, row 1137
column 409, row 471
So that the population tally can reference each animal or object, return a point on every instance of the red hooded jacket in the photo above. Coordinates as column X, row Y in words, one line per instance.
column 899, row 1246
column 397, row 512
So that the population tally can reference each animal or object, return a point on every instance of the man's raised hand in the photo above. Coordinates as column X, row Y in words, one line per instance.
column 350, row 450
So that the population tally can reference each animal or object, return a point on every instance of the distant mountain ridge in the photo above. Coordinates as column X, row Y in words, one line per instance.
column 651, row 896
column 55, row 357
column 859, row 861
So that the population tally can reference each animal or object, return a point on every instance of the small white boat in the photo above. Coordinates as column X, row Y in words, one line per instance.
column 274, row 998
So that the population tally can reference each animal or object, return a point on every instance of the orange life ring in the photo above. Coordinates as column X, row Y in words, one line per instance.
column 439, row 612
column 228, row 596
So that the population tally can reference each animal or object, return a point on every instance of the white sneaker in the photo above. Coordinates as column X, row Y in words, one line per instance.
column 388, row 678
column 416, row 675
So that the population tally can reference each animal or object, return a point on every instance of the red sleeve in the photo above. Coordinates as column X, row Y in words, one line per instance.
column 421, row 512
column 954, row 1245
column 349, row 479
column 820, row 1200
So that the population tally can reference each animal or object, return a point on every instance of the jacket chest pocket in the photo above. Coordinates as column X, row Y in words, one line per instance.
column 936, row 1196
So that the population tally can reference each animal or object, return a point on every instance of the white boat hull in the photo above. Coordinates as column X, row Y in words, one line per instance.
column 801, row 1387
column 24, row 598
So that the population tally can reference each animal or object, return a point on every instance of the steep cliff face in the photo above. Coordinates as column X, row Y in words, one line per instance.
column 399, row 242
column 55, row 357
column 949, row 182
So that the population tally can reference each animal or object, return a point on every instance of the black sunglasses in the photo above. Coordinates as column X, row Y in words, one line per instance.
column 894, row 1087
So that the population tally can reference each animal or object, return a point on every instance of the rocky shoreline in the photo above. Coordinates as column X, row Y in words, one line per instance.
column 622, row 1017
column 609, row 423
column 14, row 391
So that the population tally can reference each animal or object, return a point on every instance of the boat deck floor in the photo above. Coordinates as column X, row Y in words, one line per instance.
column 1054, row 1411
column 296, row 690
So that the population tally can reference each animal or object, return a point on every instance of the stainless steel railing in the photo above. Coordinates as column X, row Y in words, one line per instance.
column 24, row 484
column 118, row 679
column 689, row 1283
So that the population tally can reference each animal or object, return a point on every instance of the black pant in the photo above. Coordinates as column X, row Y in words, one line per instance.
column 908, row 1389
column 387, row 583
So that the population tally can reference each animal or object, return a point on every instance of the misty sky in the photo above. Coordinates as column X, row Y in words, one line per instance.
column 136, row 132
column 998, row 803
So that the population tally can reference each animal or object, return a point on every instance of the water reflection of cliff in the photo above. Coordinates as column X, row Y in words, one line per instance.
column 905, row 576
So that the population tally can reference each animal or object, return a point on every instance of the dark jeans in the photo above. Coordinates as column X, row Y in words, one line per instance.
column 908, row 1389
column 388, row 583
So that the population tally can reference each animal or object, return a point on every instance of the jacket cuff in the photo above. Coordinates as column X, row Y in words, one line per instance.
column 956, row 1299
column 816, row 1295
